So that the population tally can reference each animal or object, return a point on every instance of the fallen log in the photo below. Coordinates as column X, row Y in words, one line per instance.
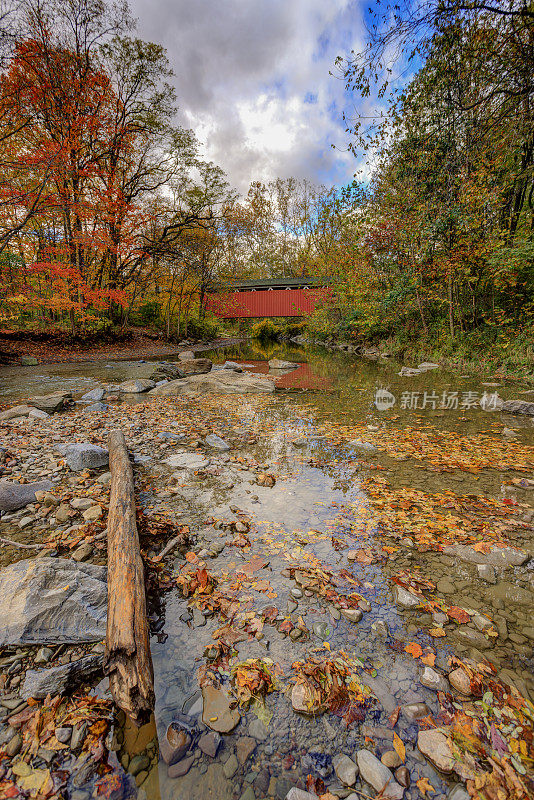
column 129, row 663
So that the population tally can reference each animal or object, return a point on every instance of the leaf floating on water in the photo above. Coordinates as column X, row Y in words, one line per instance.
column 414, row 649
column 400, row 749
column 425, row 786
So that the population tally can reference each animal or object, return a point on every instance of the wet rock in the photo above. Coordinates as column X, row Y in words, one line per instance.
column 138, row 763
column 445, row 586
column 434, row 680
column 245, row 746
column 230, row 766
column 186, row 355
column 43, row 656
column 377, row 775
column 299, row 699
column 434, row 745
column 409, row 372
column 248, row 794
column 351, row 614
column 402, row 776
column 382, row 693
column 299, row 794
column 84, row 455
column 345, row 769
column 404, row 598
column 426, row 366
column 391, row 759
column 319, row 763
column 209, row 743
column 458, row 792
column 367, row 446
column 63, row 734
column 28, row 361
column 136, row 386
column 17, row 495
column 487, row 573
column 217, row 713
column 14, row 745
column 414, row 711
column 53, row 601
column 55, row 680
column 175, row 744
column 258, row 730
column 216, row 442
column 187, row 461
column 459, row 680
column 510, row 592
column 381, row 628
column 472, row 638
column 79, row 732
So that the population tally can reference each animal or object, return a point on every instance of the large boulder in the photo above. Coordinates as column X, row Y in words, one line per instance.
column 52, row 601
column 38, row 683
column 84, row 455
column 57, row 401
column 217, row 382
column 136, row 386
column 193, row 366
column 17, row 495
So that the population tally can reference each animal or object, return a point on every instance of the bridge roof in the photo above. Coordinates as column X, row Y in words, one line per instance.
column 273, row 283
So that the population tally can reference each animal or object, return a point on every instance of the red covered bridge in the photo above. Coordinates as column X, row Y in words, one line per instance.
column 276, row 297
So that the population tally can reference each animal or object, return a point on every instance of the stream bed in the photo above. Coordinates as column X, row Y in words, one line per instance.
column 359, row 530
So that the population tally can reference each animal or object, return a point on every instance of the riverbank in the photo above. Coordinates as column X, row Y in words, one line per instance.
column 349, row 587
column 142, row 344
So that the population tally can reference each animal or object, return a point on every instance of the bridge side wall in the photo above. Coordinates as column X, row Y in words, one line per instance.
column 266, row 303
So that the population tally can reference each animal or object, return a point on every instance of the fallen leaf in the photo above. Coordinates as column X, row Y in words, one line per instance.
column 429, row 659
column 424, row 786
column 414, row 649
column 394, row 716
column 400, row 749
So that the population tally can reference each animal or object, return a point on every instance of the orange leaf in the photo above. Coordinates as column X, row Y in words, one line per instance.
column 436, row 632
column 424, row 786
column 400, row 749
column 414, row 649
column 429, row 659
column 394, row 716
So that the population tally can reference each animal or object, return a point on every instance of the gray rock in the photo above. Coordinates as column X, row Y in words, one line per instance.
column 434, row 745
column 136, row 386
column 299, row 794
column 17, row 495
column 414, row 711
column 426, row 366
column 258, row 730
column 187, row 461
column 487, row 573
column 138, row 764
column 43, row 656
column 84, row 455
column 96, row 408
column 194, row 366
column 217, row 382
column 409, row 372
column 52, row 600
column 216, row 442
column 55, row 680
column 378, row 776
column 217, row 712
column 351, row 614
column 404, row 598
column 209, row 743
column 186, row 355
column 345, row 769
column 180, row 768
column 230, row 766
column 29, row 361
column 93, row 396
column 36, row 413
column 433, row 680
column 458, row 792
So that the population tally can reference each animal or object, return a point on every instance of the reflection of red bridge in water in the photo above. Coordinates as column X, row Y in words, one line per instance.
column 301, row 378
column 276, row 297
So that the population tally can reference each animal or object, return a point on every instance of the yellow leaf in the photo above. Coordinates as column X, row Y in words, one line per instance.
column 398, row 744
column 424, row 786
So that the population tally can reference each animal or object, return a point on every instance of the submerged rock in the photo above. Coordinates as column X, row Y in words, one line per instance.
column 216, row 442
column 497, row 556
column 519, row 407
column 345, row 769
column 17, row 495
column 217, row 713
column 378, row 776
column 187, row 461
column 52, row 600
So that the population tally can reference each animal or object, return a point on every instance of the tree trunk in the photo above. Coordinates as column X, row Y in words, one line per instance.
column 131, row 676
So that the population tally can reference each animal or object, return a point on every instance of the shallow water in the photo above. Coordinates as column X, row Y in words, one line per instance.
column 301, row 436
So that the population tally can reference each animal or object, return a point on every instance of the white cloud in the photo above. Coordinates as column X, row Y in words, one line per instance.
column 245, row 73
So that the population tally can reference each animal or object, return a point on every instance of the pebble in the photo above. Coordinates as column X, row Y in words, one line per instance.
column 378, row 776
column 459, row 680
column 345, row 769
column 230, row 766
column 434, row 745
column 180, row 768
column 433, row 680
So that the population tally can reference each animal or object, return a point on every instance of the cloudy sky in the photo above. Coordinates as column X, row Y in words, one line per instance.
column 252, row 79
